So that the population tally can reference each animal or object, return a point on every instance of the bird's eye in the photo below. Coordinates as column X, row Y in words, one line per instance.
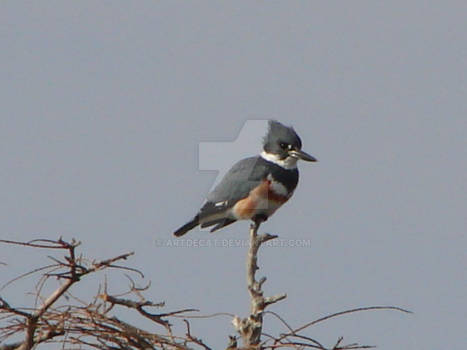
column 283, row 145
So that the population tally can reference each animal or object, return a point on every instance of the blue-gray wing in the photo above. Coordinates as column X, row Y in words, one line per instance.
column 235, row 185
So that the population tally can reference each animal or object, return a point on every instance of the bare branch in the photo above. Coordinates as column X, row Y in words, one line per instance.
column 194, row 339
column 368, row 308
column 139, row 306
column 250, row 328
column 80, row 324
column 48, row 243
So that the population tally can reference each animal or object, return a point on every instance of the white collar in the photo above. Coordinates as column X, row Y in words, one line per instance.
column 286, row 163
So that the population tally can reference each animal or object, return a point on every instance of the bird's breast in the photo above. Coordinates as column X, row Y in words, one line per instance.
column 266, row 198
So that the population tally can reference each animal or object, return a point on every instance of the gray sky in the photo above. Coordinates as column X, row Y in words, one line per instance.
column 104, row 105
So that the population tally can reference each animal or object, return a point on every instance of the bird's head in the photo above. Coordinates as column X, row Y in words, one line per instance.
column 283, row 146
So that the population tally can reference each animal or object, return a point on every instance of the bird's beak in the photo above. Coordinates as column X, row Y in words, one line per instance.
column 299, row 154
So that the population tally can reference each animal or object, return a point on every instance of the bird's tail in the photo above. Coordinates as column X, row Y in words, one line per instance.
column 187, row 227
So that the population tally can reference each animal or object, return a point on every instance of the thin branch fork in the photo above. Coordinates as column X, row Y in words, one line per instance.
column 250, row 328
column 139, row 306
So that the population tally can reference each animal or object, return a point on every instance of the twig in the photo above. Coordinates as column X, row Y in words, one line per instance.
column 139, row 306
column 368, row 308
column 194, row 339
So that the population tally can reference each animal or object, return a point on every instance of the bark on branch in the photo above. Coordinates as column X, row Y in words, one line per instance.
column 250, row 328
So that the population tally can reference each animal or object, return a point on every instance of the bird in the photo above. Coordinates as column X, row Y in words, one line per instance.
column 255, row 187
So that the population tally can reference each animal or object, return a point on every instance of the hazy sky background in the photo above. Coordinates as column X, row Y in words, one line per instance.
column 105, row 103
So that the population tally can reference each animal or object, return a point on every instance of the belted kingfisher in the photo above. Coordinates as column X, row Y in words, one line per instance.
column 254, row 188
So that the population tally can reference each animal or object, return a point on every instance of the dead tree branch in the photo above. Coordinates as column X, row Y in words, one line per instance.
column 60, row 317
column 81, row 324
column 250, row 328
